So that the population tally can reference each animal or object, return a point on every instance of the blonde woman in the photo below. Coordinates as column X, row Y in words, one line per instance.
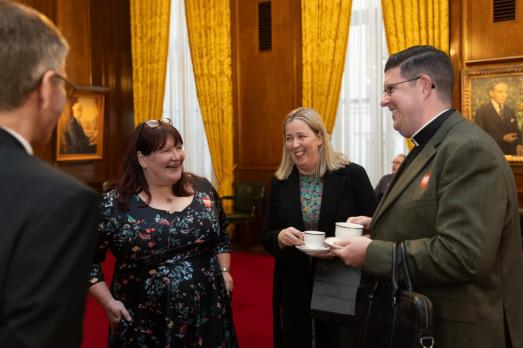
column 313, row 188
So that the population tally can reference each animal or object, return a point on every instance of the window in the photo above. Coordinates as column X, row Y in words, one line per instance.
column 363, row 129
column 180, row 101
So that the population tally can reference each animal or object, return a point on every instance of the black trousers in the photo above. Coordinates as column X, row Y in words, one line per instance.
column 331, row 335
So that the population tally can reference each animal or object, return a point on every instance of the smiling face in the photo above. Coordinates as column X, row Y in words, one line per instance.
column 165, row 166
column 403, row 101
column 303, row 145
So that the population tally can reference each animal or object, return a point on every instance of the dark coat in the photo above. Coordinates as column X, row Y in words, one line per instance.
column 46, row 244
column 487, row 118
column 346, row 192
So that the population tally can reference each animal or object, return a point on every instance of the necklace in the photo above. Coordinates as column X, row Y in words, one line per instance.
column 169, row 200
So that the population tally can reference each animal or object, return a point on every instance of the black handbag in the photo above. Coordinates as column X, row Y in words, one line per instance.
column 397, row 317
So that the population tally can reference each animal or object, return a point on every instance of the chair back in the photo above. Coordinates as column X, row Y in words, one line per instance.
column 248, row 196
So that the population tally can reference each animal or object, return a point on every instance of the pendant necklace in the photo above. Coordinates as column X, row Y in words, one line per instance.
column 169, row 200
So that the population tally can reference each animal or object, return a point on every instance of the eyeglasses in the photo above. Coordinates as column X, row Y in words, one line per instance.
column 157, row 123
column 154, row 124
column 388, row 89
column 70, row 88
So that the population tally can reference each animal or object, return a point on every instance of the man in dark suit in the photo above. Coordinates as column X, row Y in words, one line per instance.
column 385, row 181
column 74, row 135
column 499, row 120
column 453, row 203
column 47, row 218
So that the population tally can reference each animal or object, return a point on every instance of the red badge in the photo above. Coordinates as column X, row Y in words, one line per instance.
column 206, row 202
column 424, row 183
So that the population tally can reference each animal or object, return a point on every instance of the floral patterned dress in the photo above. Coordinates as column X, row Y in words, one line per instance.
column 167, row 274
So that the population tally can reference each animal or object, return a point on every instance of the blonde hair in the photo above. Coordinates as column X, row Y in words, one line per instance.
column 329, row 160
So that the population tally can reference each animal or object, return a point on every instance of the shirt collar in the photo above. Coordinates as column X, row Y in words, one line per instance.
column 27, row 146
column 419, row 137
column 497, row 106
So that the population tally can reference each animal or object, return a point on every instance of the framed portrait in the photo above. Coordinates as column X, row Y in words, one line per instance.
column 492, row 97
column 79, row 132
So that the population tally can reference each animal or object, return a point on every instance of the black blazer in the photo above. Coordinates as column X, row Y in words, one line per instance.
column 48, row 226
column 346, row 192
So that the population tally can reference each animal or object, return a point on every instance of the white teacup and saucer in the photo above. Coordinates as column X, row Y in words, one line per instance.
column 344, row 232
column 313, row 242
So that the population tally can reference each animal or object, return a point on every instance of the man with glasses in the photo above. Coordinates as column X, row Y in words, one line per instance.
column 454, row 205
column 47, row 218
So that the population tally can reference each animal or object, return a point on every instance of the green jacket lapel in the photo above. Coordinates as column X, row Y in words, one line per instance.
column 416, row 166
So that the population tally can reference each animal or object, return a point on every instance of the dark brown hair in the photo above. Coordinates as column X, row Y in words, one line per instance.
column 417, row 60
column 147, row 140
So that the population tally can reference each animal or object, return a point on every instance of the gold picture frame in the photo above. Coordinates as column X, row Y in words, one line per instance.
column 478, row 83
column 80, row 129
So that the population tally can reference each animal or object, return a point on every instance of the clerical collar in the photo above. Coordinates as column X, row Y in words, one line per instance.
column 423, row 135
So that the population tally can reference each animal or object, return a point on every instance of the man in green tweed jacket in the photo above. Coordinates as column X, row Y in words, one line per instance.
column 454, row 203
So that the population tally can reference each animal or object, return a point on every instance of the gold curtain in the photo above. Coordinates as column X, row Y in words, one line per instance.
column 149, row 44
column 416, row 22
column 325, row 28
column 209, row 29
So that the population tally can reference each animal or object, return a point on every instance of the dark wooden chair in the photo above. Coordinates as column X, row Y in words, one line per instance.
column 247, row 208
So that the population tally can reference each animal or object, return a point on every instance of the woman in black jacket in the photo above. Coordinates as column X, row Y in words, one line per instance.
column 313, row 188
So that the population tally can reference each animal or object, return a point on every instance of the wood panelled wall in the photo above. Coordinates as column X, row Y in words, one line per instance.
column 98, row 32
column 476, row 40
column 267, row 84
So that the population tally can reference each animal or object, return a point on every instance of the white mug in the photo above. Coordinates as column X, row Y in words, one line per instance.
column 348, row 230
column 313, row 239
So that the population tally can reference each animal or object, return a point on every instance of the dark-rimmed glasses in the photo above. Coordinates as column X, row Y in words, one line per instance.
column 389, row 88
column 70, row 88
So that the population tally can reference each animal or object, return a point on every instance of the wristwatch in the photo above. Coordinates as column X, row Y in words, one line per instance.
column 224, row 269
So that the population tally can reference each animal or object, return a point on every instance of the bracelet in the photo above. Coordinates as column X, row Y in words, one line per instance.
column 224, row 269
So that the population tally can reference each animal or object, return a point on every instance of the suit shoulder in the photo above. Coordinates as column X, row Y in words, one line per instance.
column 41, row 178
column 467, row 135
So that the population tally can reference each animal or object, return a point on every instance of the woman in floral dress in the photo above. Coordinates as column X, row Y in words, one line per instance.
column 166, row 229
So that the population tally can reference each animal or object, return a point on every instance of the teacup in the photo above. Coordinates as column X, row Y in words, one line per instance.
column 313, row 239
column 348, row 230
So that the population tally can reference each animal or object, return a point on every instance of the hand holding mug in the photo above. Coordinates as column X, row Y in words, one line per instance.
column 354, row 251
column 290, row 237
column 362, row 220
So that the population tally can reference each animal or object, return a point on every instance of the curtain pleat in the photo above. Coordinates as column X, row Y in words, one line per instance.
column 325, row 29
column 149, row 44
column 208, row 25
column 416, row 22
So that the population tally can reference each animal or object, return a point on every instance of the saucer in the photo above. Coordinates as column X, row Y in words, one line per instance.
column 331, row 242
column 310, row 250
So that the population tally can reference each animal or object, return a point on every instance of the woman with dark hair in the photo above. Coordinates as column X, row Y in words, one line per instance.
column 167, row 231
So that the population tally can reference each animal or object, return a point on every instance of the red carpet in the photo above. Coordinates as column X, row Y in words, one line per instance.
column 252, row 309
